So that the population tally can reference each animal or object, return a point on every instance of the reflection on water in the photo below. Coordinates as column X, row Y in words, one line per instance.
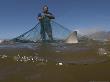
column 37, row 62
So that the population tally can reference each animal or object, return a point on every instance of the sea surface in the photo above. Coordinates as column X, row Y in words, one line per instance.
column 55, row 62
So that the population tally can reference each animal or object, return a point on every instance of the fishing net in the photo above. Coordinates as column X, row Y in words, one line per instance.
column 59, row 33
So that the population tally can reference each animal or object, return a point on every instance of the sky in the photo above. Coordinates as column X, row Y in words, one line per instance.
column 85, row 16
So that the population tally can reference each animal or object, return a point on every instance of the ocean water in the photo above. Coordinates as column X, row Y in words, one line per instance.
column 55, row 62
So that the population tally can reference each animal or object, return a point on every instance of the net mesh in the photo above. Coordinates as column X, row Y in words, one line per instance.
column 59, row 33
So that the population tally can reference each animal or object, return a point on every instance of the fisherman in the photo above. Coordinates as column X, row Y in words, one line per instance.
column 45, row 22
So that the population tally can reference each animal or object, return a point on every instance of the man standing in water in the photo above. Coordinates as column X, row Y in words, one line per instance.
column 45, row 22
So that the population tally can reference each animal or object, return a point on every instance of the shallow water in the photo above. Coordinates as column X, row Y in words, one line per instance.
column 54, row 62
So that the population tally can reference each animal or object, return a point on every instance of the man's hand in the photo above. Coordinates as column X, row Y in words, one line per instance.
column 47, row 14
column 40, row 18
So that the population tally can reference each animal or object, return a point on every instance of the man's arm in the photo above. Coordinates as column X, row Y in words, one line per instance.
column 40, row 16
column 50, row 15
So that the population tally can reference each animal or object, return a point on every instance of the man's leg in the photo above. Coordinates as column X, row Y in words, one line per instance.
column 49, row 33
column 43, row 35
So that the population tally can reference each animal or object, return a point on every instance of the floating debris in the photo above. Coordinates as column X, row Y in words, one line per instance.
column 60, row 64
column 25, row 59
column 4, row 56
column 102, row 52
